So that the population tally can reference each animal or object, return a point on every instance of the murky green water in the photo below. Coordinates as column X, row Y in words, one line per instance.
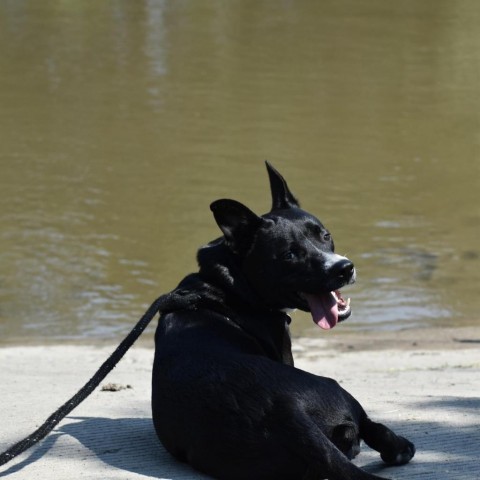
column 120, row 122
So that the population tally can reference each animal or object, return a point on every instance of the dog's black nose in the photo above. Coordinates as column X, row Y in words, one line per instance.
column 343, row 270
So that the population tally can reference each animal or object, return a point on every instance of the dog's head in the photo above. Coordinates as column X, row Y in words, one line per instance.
column 287, row 255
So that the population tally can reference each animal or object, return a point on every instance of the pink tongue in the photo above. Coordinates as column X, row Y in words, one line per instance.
column 324, row 309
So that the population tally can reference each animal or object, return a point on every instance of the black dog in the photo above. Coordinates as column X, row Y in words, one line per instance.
column 226, row 397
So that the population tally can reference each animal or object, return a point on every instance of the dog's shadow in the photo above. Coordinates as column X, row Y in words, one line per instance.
column 129, row 444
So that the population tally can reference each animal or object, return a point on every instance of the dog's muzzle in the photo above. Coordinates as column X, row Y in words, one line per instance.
column 329, row 307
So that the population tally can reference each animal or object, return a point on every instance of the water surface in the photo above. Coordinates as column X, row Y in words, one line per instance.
column 121, row 121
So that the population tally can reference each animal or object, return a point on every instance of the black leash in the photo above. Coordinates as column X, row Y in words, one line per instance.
column 171, row 301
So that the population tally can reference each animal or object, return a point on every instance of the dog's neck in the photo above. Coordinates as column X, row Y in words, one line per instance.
column 221, row 269
column 220, row 286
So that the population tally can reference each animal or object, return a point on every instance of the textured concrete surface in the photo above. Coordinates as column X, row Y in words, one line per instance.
column 431, row 396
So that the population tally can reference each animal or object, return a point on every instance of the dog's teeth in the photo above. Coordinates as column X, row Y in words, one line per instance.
column 348, row 302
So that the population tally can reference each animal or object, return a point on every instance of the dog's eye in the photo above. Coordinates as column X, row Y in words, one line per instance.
column 288, row 255
column 327, row 237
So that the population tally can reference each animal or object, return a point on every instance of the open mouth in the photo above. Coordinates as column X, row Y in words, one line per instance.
column 328, row 309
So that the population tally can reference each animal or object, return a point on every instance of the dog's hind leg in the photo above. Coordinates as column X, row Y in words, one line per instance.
column 323, row 458
column 314, row 472
column 394, row 449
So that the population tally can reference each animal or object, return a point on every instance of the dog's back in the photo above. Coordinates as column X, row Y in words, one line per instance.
column 224, row 405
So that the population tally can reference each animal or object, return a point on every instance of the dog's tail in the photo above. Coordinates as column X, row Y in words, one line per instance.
column 170, row 301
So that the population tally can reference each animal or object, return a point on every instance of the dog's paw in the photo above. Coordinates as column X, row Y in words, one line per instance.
column 401, row 455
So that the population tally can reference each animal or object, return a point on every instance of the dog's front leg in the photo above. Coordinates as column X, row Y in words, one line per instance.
column 394, row 449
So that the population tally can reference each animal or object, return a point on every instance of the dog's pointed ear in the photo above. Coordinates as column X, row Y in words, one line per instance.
column 237, row 222
column 282, row 197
